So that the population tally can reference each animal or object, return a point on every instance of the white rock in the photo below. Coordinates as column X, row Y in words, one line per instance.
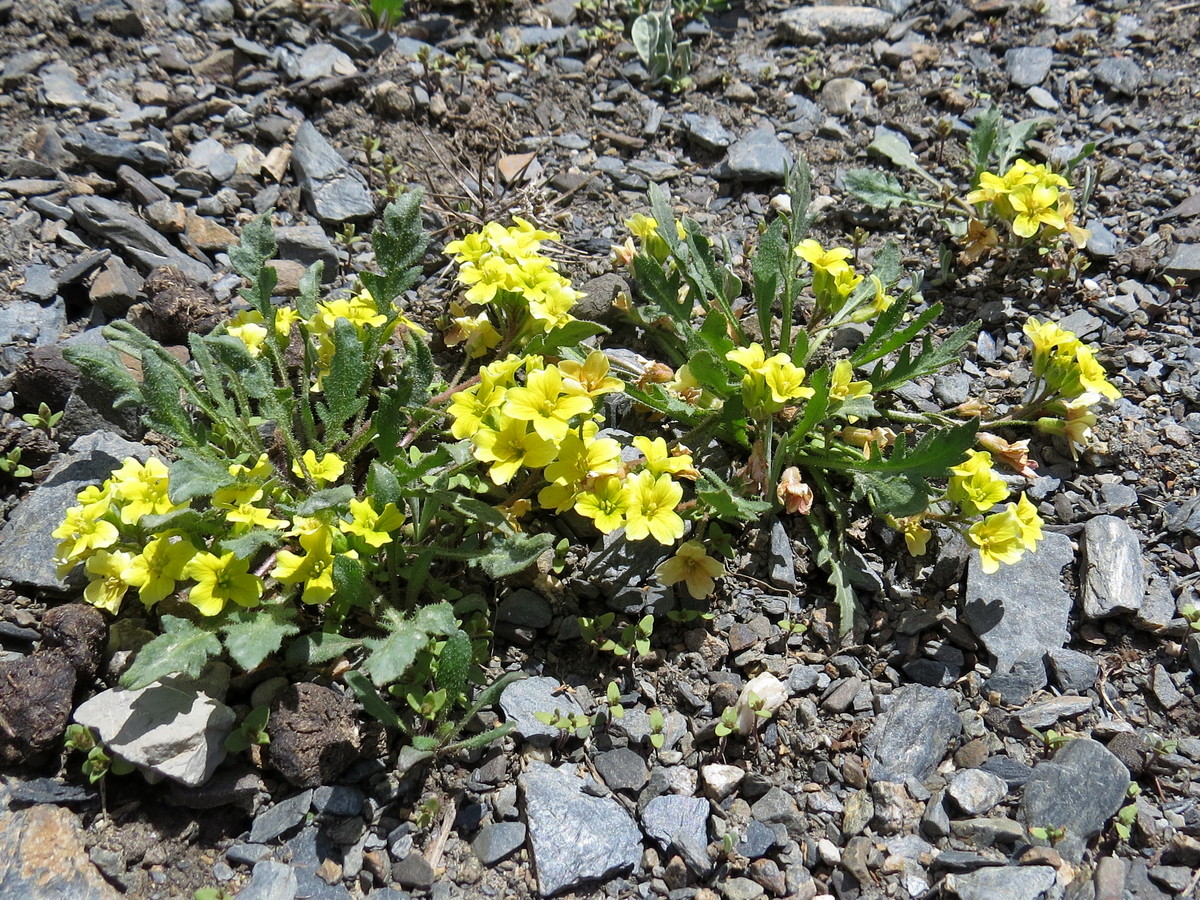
column 720, row 780
column 166, row 730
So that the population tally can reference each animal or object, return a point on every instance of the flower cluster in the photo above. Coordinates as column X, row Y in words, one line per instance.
column 834, row 283
column 769, row 383
column 121, row 550
column 1033, row 200
column 514, row 290
column 549, row 422
column 1071, row 382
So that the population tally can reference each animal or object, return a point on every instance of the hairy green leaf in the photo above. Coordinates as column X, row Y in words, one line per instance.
column 726, row 502
column 399, row 241
column 103, row 365
column 894, row 146
column 251, row 635
column 325, row 499
column 343, row 386
column 182, row 649
column 390, row 656
column 982, row 142
column 315, row 649
column 246, row 546
column 454, row 666
column 249, row 258
column 372, row 703
column 880, row 190
column 570, row 335
column 196, row 473
column 927, row 361
column 163, row 391
column 512, row 553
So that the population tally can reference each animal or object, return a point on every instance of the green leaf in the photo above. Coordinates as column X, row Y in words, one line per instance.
column 182, row 649
column 249, row 258
column 927, row 361
column 513, row 553
column 1014, row 138
column 163, row 391
column 315, row 649
column 390, row 656
column 350, row 579
column 886, row 336
column 325, row 499
column 344, row 392
column 399, row 242
column 182, row 519
column 246, row 546
column 454, row 666
column 896, row 495
column 710, row 372
column 372, row 703
column 894, row 146
column 880, row 190
column 982, row 142
column 196, row 474
column 251, row 635
column 570, row 335
column 828, row 557
column 103, row 365
column 310, row 290
column 383, row 487
column 814, row 412
column 484, row 739
column 768, row 268
column 249, row 371
column 937, row 451
column 885, row 265
column 726, row 502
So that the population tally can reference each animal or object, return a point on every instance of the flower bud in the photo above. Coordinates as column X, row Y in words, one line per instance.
column 793, row 493
column 762, row 695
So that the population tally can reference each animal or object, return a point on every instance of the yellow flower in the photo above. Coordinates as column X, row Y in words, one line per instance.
column 607, row 503
column 285, row 318
column 543, row 404
column 510, row 447
column 832, row 260
column 107, row 585
column 83, row 532
column 590, row 377
column 359, row 310
column 471, row 407
column 1035, row 205
column 141, row 489
column 1031, row 522
column 253, row 516
column 219, row 580
column 751, row 358
column 158, row 567
column 692, row 565
column 314, row 568
column 1092, row 377
column 247, row 326
column 476, row 332
column 784, row 379
column 652, row 511
column 916, row 535
column 841, row 388
column 328, row 469
column 373, row 527
column 659, row 460
column 584, row 457
column 974, row 485
column 999, row 539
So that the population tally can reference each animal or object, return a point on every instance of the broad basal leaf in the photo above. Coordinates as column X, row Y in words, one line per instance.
column 251, row 635
column 881, row 190
column 182, row 649
column 390, row 656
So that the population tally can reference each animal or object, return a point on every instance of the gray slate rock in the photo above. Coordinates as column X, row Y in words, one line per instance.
column 39, row 283
column 975, row 791
column 1185, row 262
column 1073, row 672
column 522, row 699
column 1103, row 244
column 574, row 837
column 26, row 546
column 1021, row 610
column 318, row 61
column 1077, row 790
column 1119, row 74
column 759, row 156
column 25, row 324
column 1003, row 883
column 707, row 131
column 61, row 88
column 109, row 153
column 132, row 237
column 306, row 244
column 1027, row 66
column 167, row 730
column 833, row 24
column 778, row 807
column 622, row 769
column 839, row 95
column 44, row 857
column 270, row 881
column 498, row 841
column 334, row 191
column 672, row 819
column 1112, row 572
column 913, row 734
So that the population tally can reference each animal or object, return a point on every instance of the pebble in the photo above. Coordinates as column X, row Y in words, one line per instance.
column 498, row 841
column 839, row 95
column 707, row 132
column 1028, row 66
column 334, row 192
column 833, row 24
column 1119, row 74
column 759, row 156
column 671, row 819
column 1073, row 672
column 1185, row 262
column 912, row 735
column 622, row 769
column 976, row 791
column 522, row 699
column 1007, row 883
column 1112, row 570
column 281, row 817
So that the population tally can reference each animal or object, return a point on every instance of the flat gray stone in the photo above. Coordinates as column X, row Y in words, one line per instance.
column 1002, row 883
column 39, row 283
column 575, row 838
column 25, row 324
column 1027, row 66
column 672, row 819
column 319, row 61
column 839, row 95
column 1047, row 712
column 759, row 156
column 1185, row 262
column 1103, row 244
column 307, row 244
column 27, row 547
column 498, row 841
column 1119, row 74
column 833, row 24
column 522, row 699
column 133, row 238
column 622, row 769
column 1111, row 568
column 1073, row 672
column 1077, row 790
column 334, row 191
column 270, row 881
column 975, row 792
column 1021, row 610
column 706, row 131
column 166, row 730
column 283, row 816
column 913, row 734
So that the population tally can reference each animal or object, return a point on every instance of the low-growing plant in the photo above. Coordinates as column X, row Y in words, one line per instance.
column 44, row 419
column 251, row 732
column 667, row 59
column 98, row 763
column 383, row 14
column 1127, row 814
column 10, row 464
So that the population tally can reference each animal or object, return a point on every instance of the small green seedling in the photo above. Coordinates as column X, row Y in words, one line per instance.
column 1127, row 815
column 10, row 464
column 98, row 763
column 573, row 723
column 43, row 418
column 252, row 732
column 613, row 695
column 1051, row 833
column 657, row 727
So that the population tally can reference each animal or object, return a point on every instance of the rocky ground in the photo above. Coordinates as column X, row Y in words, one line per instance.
column 904, row 762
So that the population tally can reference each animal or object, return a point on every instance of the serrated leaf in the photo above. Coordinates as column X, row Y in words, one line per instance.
column 454, row 666
column 196, row 474
column 881, row 190
column 512, row 553
column 350, row 579
column 484, row 739
column 255, row 247
column 391, row 656
column 314, row 649
column 182, row 649
column 726, row 502
column 251, row 635
column 710, row 372
column 239, row 364
column 383, row 487
column 894, row 146
column 1014, row 138
column 309, row 290
column 982, row 142
column 325, row 499
column 163, row 392
column 572, row 334
column 399, row 242
column 928, row 360
column 103, row 365
column 343, row 383
column 767, row 267
column 895, row 495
